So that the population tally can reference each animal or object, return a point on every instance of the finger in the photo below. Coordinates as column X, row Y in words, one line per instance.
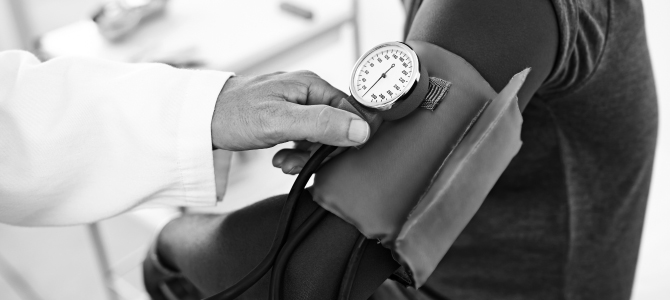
column 321, row 92
column 323, row 124
column 279, row 157
column 291, row 161
column 294, row 162
column 308, row 88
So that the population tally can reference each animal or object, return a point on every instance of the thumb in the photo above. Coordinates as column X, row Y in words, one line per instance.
column 325, row 124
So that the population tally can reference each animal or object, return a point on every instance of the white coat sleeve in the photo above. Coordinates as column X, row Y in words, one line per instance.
column 84, row 139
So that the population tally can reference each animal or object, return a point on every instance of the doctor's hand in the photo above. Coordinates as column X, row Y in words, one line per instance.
column 262, row 111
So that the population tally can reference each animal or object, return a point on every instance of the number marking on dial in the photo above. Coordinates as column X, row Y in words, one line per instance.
column 384, row 75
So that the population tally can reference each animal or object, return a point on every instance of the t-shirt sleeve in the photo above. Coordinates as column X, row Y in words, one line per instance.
column 583, row 27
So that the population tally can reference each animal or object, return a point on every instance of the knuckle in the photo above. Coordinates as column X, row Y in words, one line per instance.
column 307, row 73
column 295, row 89
column 273, row 74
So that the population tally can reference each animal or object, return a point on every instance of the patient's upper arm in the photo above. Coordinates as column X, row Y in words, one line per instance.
column 375, row 187
column 498, row 37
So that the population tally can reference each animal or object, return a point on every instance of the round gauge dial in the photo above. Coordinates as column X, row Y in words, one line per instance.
column 384, row 74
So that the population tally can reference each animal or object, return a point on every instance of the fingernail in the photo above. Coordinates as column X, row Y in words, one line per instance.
column 359, row 131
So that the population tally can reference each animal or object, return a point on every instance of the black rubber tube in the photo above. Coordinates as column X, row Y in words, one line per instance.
column 352, row 268
column 277, row 277
column 281, row 234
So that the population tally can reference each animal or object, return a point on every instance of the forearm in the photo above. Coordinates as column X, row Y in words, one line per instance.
column 76, row 129
column 215, row 251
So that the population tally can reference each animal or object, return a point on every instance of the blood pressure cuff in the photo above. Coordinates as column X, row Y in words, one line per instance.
column 418, row 182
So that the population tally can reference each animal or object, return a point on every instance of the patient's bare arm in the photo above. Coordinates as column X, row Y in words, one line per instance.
column 498, row 37
column 214, row 252
column 398, row 163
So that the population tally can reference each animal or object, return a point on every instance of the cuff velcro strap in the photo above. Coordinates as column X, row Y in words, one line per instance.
column 437, row 89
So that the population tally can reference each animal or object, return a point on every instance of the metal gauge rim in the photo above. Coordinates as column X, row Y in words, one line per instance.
column 414, row 78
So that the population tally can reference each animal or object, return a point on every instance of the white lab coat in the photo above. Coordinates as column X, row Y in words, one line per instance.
column 84, row 139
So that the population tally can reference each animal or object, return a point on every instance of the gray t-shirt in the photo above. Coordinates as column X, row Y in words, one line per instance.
column 565, row 219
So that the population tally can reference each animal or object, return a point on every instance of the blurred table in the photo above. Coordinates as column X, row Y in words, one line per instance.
column 225, row 35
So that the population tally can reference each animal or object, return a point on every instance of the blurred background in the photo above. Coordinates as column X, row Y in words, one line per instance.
column 102, row 261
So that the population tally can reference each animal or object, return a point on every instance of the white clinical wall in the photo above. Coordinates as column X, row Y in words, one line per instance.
column 9, row 33
column 652, row 281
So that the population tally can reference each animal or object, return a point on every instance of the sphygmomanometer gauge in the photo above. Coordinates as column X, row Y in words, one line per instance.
column 385, row 75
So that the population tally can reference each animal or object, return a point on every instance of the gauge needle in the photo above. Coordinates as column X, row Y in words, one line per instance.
column 380, row 77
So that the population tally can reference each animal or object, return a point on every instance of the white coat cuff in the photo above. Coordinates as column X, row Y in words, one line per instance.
column 196, row 162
